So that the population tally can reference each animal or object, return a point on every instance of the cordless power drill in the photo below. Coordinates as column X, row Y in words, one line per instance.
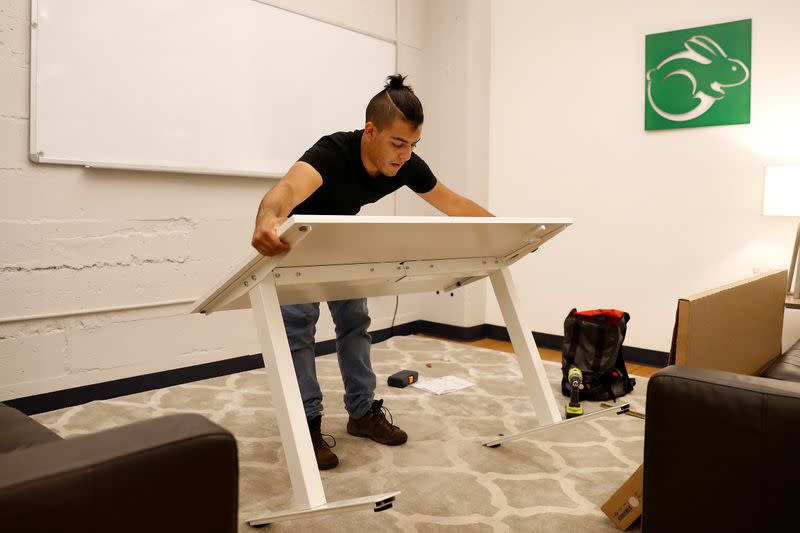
column 575, row 379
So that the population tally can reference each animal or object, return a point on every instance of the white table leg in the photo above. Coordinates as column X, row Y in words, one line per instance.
column 617, row 410
column 296, row 439
column 309, row 496
column 530, row 361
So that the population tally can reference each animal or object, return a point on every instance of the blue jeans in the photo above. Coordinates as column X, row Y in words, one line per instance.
column 351, row 318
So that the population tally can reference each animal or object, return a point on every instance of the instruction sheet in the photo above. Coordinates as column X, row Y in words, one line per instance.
column 442, row 385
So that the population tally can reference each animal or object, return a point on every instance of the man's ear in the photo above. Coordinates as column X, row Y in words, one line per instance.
column 370, row 130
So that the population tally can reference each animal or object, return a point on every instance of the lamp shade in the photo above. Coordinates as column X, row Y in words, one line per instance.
column 782, row 191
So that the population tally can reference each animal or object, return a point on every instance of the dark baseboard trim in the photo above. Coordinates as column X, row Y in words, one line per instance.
column 543, row 340
column 453, row 333
column 632, row 354
column 51, row 401
column 643, row 356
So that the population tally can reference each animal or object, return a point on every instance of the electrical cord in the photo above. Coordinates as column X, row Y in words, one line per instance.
column 394, row 316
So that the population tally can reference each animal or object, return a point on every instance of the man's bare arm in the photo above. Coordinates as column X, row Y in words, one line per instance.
column 297, row 185
column 452, row 204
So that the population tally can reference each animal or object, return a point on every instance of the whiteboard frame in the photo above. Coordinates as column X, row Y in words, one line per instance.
column 37, row 156
column 33, row 155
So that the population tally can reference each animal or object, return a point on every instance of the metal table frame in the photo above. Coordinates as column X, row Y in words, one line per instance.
column 264, row 283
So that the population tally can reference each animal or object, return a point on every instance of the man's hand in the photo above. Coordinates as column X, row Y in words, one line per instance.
column 265, row 236
column 297, row 185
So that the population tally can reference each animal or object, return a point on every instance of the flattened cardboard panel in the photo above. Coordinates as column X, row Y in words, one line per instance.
column 625, row 505
column 736, row 328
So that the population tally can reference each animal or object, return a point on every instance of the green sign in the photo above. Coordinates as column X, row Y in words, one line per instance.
column 698, row 77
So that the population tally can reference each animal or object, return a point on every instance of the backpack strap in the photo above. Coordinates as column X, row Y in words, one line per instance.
column 599, row 344
column 627, row 382
column 620, row 366
column 569, row 357
column 619, row 362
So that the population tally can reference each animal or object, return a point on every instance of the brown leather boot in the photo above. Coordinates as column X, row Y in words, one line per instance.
column 374, row 425
column 326, row 459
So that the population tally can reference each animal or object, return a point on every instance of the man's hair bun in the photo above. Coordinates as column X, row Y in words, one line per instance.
column 396, row 100
column 395, row 81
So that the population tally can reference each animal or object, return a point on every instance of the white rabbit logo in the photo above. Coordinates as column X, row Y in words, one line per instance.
column 700, row 73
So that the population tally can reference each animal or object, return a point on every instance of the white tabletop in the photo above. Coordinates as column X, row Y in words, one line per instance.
column 334, row 242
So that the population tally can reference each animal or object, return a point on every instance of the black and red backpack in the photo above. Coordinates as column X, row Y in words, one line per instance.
column 593, row 343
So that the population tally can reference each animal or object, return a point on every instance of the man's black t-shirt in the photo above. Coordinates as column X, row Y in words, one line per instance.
column 346, row 185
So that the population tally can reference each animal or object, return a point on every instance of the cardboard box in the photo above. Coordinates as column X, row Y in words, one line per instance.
column 736, row 328
column 625, row 505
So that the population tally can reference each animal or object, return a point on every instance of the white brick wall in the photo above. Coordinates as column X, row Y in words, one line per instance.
column 658, row 215
column 73, row 239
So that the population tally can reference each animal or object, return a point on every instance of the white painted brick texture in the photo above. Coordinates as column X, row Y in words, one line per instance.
column 74, row 239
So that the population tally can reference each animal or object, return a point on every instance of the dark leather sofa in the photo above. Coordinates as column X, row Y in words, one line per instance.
column 721, row 449
column 169, row 474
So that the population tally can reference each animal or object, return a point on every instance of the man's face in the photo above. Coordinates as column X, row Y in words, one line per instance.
column 391, row 147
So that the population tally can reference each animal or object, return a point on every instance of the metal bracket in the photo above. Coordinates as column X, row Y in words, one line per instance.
column 467, row 266
column 337, row 273
column 472, row 269
column 517, row 254
column 462, row 282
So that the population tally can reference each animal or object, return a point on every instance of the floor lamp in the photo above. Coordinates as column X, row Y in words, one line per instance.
column 782, row 198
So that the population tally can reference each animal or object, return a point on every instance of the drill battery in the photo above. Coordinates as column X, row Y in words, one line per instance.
column 403, row 378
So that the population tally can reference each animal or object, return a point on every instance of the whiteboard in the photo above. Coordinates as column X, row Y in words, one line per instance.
column 232, row 87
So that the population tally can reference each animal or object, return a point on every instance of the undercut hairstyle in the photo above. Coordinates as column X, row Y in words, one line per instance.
column 396, row 100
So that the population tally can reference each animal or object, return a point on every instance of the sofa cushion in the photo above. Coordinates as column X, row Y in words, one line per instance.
column 18, row 431
column 787, row 366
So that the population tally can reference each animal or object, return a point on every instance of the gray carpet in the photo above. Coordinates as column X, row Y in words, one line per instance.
column 553, row 482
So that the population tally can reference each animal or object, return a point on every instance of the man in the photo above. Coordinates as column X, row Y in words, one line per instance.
column 337, row 176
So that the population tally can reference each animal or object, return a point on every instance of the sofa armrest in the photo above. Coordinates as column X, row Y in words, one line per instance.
column 720, row 453
column 174, row 473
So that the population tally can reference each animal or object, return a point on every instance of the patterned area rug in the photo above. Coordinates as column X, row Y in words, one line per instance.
column 554, row 481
